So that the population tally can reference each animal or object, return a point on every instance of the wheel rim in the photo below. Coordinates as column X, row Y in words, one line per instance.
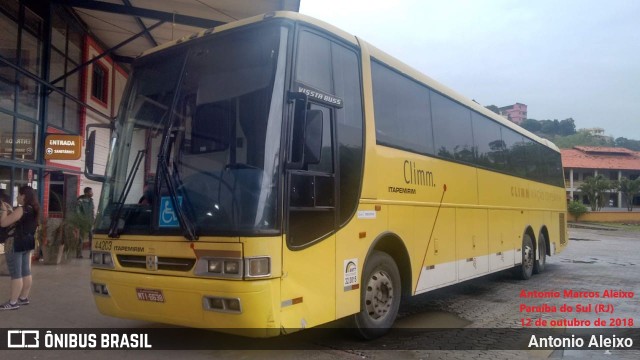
column 543, row 254
column 527, row 259
column 379, row 295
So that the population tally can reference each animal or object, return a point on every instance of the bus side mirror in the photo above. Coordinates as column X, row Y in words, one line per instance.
column 90, row 151
column 312, row 137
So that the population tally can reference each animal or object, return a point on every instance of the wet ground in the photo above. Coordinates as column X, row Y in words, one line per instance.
column 595, row 261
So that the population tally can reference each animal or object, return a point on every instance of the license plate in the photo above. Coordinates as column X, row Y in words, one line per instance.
column 150, row 295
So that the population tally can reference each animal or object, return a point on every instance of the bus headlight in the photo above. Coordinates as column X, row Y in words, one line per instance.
column 232, row 267
column 107, row 260
column 101, row 259
column 258, row 266
column 215, row 266
column 219, row 267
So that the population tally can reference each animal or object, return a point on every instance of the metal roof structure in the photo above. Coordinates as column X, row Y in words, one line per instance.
column 129, row 27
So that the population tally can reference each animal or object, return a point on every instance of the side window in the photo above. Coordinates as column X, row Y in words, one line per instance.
column 516, row 152
column 532, row 159
column 329, row 191
column 401, row 108
column 489, row 147
column 313, row 66
column 554, row 168
column 312, row 193
column 545, row 165
column 452, row 129
column 311, row 190
column 100, row 82
column 346, row 79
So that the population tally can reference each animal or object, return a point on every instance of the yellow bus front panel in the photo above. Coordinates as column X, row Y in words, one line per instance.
column 183, row 301
column 168, row 281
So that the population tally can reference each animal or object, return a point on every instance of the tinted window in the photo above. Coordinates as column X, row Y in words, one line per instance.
column 314, row 61
column 413, row 117
column 552, row 163
column 312, row 192
column 489, row 147
column 346, row 76
column 451, row 128
column 401, row 108
column 516, row 152
column 531, row 159
column 330, row 67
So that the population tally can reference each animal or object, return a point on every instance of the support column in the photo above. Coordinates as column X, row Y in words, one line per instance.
column 571, row 184
column 619, row 193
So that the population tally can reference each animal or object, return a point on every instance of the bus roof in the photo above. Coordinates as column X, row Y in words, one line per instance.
column 294, row 16
column 372, row 51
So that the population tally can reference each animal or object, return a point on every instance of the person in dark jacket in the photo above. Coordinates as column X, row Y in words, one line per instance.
column 86, row 209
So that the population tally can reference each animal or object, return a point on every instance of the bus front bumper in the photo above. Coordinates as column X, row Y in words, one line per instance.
column 234, row 306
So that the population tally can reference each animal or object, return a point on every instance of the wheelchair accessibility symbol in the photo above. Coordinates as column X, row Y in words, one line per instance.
column 168, row 217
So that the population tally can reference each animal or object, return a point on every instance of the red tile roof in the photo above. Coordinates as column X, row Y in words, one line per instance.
column 598, row 157
column 604, row 150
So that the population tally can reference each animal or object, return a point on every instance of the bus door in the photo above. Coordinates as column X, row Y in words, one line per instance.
column 309, row 256
column 324, row 194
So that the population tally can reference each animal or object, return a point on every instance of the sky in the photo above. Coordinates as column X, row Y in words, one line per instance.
column 564, row 59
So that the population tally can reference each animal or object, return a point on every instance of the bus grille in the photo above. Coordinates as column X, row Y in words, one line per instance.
column 563, row 229
column 164, row 263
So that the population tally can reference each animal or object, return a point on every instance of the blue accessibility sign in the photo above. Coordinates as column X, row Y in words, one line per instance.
column 168, row 216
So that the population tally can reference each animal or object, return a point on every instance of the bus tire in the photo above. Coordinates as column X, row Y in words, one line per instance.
column 379, row 297
column 525, row 270
column 541, row 263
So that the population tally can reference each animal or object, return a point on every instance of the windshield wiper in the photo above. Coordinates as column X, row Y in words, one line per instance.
column 115, row 217
column 185, row 222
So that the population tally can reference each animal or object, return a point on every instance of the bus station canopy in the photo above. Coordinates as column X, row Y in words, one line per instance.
column 128, row 27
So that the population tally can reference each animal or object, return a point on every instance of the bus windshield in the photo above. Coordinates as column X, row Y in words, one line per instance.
column 200, row 129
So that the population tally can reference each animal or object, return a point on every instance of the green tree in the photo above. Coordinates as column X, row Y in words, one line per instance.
column 550, row 126
column 628, row 143
column 567, row 127
column 629, row 189
column 595, row 188
column 531, row 125
column 494, row 108
column 576, row 209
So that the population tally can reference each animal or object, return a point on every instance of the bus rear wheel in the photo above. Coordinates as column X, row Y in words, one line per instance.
column 541, row 263
column 379, row 296
column 525, row 270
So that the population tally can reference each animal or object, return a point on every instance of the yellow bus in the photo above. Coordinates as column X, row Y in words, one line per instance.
column 277, row 173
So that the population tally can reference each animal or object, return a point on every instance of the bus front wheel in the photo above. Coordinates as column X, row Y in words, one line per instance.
column 379, row 296
column 525, row 270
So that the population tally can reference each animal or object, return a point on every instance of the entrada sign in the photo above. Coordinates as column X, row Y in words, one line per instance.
column 62, row 147
column 24, row 145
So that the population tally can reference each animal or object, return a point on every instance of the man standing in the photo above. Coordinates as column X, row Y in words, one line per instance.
column 86, row 209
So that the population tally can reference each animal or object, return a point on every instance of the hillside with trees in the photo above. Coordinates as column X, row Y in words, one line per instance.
column 564, row 134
